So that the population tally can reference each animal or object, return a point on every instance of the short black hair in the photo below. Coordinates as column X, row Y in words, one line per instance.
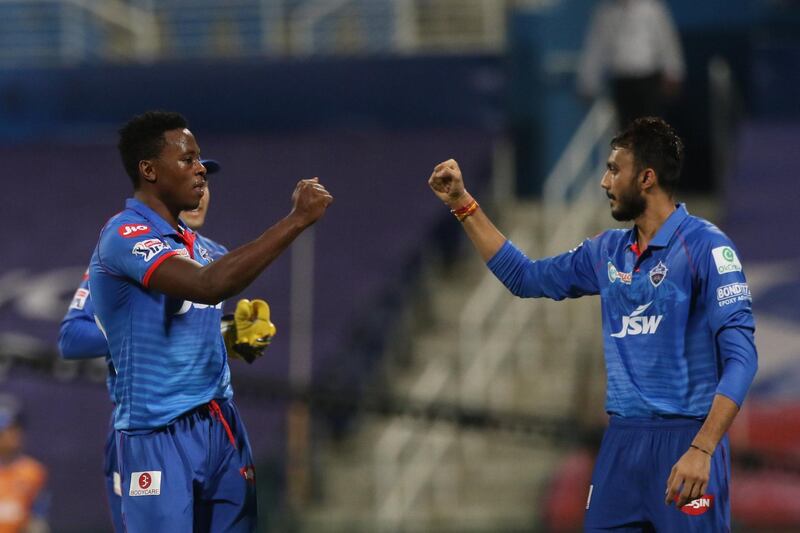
column 142, row 137
column 656, row 145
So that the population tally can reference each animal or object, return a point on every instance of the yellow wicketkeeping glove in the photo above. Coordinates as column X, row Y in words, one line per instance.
column 249, row 331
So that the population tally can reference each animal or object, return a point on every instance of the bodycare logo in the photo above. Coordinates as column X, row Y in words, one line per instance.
column 145, row 483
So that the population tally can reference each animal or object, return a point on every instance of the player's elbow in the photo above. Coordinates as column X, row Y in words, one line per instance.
column 516, row 290
column 66, row 346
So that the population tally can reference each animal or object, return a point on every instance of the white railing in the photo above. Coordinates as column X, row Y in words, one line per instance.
column 489, row 329
column 65, row 39
column 145, row 30
column 400, row 26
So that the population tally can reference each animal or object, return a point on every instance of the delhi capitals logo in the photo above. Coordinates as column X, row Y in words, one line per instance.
column 204, row 254
column 658, row 273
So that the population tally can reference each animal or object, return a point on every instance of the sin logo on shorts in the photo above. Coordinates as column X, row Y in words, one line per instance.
column 698, row 506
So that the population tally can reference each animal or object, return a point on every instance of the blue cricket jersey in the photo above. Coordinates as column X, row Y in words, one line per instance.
column 80, row 338
column 168, row 354
column 677, row 319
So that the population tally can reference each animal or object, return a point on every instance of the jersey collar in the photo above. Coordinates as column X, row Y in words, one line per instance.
column 158, row 222
column 667, row 229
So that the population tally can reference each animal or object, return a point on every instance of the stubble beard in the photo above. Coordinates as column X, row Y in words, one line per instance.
column 629, row 207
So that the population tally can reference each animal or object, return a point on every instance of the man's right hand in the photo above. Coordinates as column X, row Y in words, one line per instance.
column 448, row 184
column 310, row 200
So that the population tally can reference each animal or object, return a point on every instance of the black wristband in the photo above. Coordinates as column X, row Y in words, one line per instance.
column 701, row 449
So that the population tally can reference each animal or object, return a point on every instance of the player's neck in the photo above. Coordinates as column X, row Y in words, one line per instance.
column 156, row 204
column 649, row 222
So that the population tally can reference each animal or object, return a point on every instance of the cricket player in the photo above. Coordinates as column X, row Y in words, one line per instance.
column 678, row 335
column 80, row 338
column 183, row 454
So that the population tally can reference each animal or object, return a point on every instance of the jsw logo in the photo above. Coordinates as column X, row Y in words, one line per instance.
column 188, row 305
column 635, row 324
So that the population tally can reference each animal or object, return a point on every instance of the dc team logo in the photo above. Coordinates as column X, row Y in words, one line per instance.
column 149, row 249
column 133, row 230
column 204, row 254
column 145, row 483
column 658, row 273
column 725, row 260
column 699, row 506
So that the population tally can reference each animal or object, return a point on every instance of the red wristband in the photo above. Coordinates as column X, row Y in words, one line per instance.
column 463, row 212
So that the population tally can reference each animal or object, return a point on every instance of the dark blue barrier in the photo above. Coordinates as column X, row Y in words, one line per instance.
column 257, row 96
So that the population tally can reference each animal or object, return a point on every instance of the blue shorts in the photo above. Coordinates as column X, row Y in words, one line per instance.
column 630, row 479
column 113, row 480
column 195, row 474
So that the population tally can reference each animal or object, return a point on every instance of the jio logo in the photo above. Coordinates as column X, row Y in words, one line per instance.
column 145, row 480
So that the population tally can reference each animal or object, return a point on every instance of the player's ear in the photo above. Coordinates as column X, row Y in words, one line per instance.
column 147, row 170
column 647, row 179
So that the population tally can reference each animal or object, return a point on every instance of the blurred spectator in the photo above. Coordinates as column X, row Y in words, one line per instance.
column 23, row 500
column 635, row 45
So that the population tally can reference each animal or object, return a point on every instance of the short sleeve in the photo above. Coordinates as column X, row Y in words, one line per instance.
column 134, row 254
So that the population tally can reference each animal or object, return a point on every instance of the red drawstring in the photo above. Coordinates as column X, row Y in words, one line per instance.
column 214, row 408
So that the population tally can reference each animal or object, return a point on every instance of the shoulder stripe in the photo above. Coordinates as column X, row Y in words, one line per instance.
column 149, row 273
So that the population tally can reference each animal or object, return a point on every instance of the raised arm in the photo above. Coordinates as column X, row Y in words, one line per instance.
column 568, row 275
column 179, row 277
column 448, row 185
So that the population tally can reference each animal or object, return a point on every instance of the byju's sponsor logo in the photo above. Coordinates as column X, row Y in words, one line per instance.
column 732, row 293
column 636, row 324
column 725, row 260
column 145, row 483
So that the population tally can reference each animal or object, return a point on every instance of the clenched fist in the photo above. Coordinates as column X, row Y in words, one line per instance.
column 310, row 200
column 448, row 184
